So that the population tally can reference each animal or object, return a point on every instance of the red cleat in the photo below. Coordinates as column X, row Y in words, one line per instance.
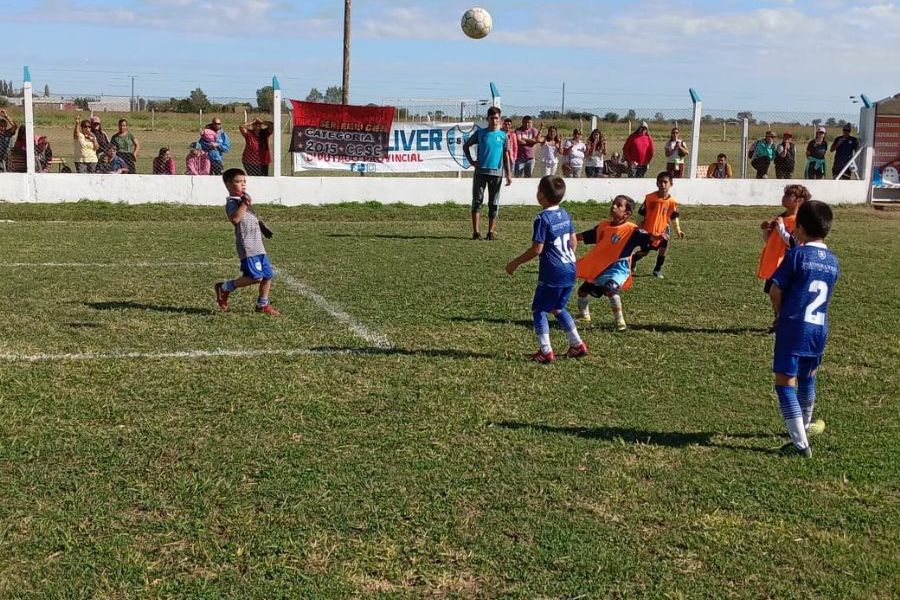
column 578, row 351
column 268, row 309
column 542, row 358
column 221, row 297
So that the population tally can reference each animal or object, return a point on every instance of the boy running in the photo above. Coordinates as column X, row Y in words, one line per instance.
column 801, row 290
column 658, row 210
column 255, row 265
column 554, row 241
column 606, row 269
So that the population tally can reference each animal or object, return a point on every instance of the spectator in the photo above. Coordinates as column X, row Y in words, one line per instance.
column 675, row 150
column 526, row 136
column 17, row 162
column 762, row 153
column 111, row 163
column 596, row 153
column 513, row 145
column 785, row 156
column 844, row 147
column 197, row 161
column 257, row 156
column 127, row 146
column 217, row 148
column 720, row 169
column 816, row 150
column 85, row 147
column 97, row 130
column 43, row 154
column 163, row 164
column 7, row 131
column 638, row 150
column 574, row 150
column 614, row 166
column 550, row 148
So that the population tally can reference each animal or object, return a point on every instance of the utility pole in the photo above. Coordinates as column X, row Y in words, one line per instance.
column 562, row 109
column 345, row 85
column 132, row 94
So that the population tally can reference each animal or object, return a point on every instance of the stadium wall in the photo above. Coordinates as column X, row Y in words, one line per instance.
column 294, row 191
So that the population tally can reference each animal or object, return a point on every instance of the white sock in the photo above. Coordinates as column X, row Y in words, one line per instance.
column 615, row 302
column 573, row 338
column 583, row 306
column 544, row 342
column 797, row 431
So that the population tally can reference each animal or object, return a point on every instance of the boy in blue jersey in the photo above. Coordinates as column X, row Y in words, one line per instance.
column 493, row 162
column 248, row 232
column 554, row 241
column 801, row 291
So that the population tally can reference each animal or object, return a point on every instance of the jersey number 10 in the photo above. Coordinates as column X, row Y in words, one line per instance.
column 565, row 250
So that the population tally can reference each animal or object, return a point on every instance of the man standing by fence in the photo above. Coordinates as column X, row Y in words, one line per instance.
column 844, row 147
column 526, row 138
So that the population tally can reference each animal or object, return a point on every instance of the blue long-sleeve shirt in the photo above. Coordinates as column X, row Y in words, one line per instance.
column 215, row 154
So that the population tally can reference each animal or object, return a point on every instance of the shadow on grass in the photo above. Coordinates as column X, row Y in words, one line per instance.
column 398, row 236
column 429, row 352
column 519, row 322
column 672, row 439
column 669, row 328
column 184, row 310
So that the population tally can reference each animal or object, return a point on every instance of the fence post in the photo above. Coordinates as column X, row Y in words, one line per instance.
column 29, row 125
column 276, row 124
column 745, row 135
column 867, row 141
column 695, row 133
column 201, row 118
column 152, row 119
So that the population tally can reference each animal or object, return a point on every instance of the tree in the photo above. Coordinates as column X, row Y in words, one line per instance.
column 315, row 95
column 46, row 91
column 265, row 98
column 630, row 115
column 831, row 122
column 334, row 94
column 659, row 117
column 611, row 117
column 817, row 122
column 746, row 114
column 198, row 101
column 82, row 103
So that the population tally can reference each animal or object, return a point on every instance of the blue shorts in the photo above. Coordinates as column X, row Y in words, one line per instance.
column 549, row 299
column 257, row 267
column 795, row 366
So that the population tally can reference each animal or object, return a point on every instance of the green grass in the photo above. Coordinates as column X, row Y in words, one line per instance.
column 448, row 466
column 177, row 131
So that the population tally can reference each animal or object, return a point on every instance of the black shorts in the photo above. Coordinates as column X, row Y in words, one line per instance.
column 767, row 286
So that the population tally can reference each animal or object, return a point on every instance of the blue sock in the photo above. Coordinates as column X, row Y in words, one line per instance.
column 262, row 301
column 542, row 330
column 793, row 416
column 229, row 286
column 806, row 396
column 568, row 325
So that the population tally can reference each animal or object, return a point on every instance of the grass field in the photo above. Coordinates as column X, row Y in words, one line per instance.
column 386, row 438
column 177, row 131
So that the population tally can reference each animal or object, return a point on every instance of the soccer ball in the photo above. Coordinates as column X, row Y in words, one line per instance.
column 477, row 23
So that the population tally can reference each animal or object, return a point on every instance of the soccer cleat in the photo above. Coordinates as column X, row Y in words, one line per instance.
column 476, row 235
column 221, row 296
column 817, row 427
column 491, row 236
column 540, row 357
column 620, row 324
column 790, row 449
column 658, row 274
column 268, row 309
column 584, row 317
column 578, row 351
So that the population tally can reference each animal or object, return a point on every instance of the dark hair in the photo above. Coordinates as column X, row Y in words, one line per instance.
column 664, row 175
column 721, row 155
column 815, row 217
column 628, row 200
column 552, row 188
column 229, row 175
column 163, row 151
column 493, row 111
column 123, row 121
column 527, row 118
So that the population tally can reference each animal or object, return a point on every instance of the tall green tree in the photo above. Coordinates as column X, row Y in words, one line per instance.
column 46, row 91
column 265, row 98
column 198, row 100
column 315, row 95
column 334, row 94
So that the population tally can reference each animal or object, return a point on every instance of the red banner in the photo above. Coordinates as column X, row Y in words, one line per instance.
column 887, row 139
column 341, row 132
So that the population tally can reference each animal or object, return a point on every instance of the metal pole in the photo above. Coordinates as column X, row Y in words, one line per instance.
column 345, row 86
column 562, row 108
column 132, row 94
column 745, row 144
column 276, row 124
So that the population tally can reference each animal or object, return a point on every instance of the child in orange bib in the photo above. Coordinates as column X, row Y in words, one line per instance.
column 778, row 234
column 606, row 268
column 659, row 210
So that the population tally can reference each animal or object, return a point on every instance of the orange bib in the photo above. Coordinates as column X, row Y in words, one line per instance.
column 611, row 241
column 773, row 251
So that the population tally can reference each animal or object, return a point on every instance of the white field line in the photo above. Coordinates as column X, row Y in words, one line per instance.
column 379, row 340
column 188, row 354
column 106, row 265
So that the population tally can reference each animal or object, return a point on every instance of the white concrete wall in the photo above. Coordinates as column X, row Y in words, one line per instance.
column 293, row 191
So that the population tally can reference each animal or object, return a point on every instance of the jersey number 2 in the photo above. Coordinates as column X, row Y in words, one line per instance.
column 820, row 289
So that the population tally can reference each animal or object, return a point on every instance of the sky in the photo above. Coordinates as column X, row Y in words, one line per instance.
column 778, row 55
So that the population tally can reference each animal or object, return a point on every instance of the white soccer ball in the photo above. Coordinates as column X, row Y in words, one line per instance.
column 477, row 23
